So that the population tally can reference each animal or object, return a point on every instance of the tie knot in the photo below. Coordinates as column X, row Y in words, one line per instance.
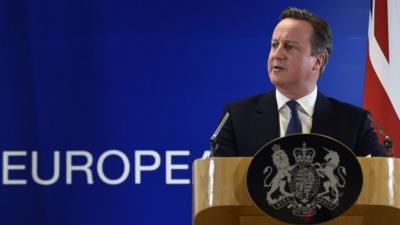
column 292, row 105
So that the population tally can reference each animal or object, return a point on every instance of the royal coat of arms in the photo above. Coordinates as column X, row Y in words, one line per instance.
column 304, row 178
column 296, row 186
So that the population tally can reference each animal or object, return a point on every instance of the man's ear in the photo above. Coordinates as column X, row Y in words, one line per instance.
column 320, row 59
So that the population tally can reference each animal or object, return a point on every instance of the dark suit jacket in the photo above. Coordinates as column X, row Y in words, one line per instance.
column 253, row 122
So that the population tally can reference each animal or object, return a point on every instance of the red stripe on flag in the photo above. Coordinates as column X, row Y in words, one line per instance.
column 381, row 26
column 377, row 102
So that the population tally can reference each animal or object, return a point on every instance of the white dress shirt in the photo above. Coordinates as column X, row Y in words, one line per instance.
column 305, row 110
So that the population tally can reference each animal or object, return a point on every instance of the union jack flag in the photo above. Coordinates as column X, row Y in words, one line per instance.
column 382, row 80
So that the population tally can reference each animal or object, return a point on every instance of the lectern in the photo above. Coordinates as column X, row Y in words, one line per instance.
column 220, row 194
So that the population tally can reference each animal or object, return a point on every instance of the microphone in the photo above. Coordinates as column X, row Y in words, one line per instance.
column 213, row 139
column 387, row 142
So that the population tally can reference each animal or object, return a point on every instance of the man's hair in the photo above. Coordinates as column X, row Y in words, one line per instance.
column 321, row 40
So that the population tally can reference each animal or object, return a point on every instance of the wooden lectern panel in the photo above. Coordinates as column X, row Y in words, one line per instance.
column 220, row 195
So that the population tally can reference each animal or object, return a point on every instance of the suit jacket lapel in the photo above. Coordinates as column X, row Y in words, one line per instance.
column 266, row 119
column 323, row 116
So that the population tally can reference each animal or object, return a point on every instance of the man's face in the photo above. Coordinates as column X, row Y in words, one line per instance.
column 291, row 65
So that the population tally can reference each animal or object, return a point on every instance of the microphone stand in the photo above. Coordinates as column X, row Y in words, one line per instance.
column 387, row 142
column 213, row 139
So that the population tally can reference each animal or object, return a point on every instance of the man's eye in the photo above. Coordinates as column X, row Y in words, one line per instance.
column 274, row 45
column 290, row 47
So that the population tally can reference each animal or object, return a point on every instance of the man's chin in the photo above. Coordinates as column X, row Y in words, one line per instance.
column 275, row 80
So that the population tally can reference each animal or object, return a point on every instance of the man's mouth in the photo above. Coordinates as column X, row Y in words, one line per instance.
column 277, row 68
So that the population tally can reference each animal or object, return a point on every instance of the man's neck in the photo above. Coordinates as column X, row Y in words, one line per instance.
column 295, row 94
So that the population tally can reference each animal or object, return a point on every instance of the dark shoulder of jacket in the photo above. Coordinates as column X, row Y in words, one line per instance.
column 347, row 108
column 246, row 103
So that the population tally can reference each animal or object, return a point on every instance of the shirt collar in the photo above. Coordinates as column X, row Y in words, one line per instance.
column 307, row 102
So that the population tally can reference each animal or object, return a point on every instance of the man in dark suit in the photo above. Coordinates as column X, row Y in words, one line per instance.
column 300, row 48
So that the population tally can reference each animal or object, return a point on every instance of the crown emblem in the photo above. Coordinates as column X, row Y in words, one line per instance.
column 304, row 154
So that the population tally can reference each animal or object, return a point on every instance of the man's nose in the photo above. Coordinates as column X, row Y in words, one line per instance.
column 279, row 52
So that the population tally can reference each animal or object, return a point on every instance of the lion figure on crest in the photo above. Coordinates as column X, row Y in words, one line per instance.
column 282, row 177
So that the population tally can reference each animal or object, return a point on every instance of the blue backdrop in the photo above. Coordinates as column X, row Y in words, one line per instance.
column 89, row 76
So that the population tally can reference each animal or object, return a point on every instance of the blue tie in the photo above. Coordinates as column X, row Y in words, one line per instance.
column 294, row 125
